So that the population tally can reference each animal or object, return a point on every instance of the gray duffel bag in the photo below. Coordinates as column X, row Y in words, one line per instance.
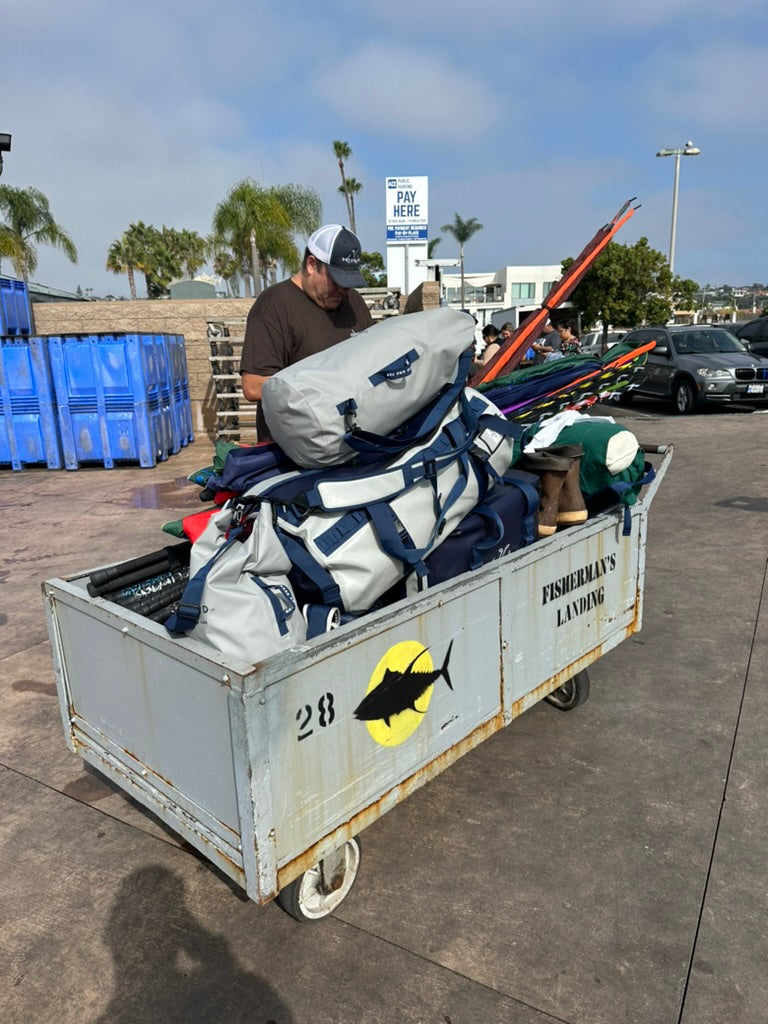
column 372, row 382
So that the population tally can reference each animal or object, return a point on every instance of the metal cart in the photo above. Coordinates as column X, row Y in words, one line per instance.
column 272, row 770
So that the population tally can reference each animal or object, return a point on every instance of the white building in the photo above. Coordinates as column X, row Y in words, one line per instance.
column 511, row 291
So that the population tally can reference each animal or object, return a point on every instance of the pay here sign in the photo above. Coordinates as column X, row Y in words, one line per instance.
column 407, row 209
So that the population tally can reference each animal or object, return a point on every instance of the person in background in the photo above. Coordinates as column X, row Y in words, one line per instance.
column 546, row 344
column 492, row 343
column 505, row 332
column 569, row 339
column 305, row 314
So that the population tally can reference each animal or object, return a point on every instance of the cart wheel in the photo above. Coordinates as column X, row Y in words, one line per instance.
column 572, row 693
column 319, row 891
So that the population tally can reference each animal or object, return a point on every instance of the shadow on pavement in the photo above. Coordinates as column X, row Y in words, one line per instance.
column 169, row 967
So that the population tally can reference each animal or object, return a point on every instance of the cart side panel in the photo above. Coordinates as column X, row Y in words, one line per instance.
column 135, row 709
column 352, row 725
column 570, row 605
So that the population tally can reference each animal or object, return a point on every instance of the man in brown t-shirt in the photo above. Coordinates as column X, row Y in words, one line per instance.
column 307, row 313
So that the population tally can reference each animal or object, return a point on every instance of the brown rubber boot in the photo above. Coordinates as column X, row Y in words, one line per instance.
column 552, row 469
column 572, row 509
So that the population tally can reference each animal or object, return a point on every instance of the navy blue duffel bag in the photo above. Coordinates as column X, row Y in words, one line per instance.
column 504, row 521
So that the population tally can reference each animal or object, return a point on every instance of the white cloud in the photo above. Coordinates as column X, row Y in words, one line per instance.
column 720, row 86
column 405, row 92
column 561, row 26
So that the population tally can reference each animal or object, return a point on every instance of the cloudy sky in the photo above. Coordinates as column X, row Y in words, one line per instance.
column 539, row 120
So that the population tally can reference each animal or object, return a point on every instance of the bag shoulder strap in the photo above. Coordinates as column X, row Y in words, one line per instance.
column 185, row 618
column 624, row 488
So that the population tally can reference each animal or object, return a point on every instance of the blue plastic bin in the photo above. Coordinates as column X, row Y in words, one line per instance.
column 28, row 433
column 109, row 399
column 15, row 313
column 181, row 406
column 153, row 349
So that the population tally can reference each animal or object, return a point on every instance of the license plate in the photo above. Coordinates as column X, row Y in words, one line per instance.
column 755, row 389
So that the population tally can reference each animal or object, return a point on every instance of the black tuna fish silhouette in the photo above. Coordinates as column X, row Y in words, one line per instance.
column 400, row 690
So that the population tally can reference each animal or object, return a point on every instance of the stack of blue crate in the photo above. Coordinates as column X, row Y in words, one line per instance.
column 109, row 393
column 92, row 398
column 15, row 311
column 28, row 432
column 181, row 407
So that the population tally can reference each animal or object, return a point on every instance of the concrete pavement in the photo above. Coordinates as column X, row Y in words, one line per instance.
column 602, row 866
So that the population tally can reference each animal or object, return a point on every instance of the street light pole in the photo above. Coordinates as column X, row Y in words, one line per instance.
column 687, row 150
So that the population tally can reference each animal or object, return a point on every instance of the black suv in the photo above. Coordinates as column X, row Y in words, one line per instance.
column 697, row 363
column 754, row 334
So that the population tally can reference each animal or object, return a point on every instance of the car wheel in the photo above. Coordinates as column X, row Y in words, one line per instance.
column 683, row 398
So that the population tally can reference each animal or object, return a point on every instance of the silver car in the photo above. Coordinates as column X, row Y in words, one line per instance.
column 592, row 341
column 693, row 364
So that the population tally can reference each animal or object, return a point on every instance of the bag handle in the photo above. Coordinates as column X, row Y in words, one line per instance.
column 396, row 370
column 422, row 425
column 281, row 600
column 532, row 502
column 323, row 581
column 494, row 533
column 394, row 538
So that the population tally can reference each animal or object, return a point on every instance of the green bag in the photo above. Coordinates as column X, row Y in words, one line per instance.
column 606, row 446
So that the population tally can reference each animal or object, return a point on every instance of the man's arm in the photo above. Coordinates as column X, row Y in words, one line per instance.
column 252, row 384
column 264, row 347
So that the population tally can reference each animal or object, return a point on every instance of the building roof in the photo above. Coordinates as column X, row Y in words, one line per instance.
column 42, row 293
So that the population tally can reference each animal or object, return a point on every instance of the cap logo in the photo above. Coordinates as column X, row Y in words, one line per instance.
column 353, row 256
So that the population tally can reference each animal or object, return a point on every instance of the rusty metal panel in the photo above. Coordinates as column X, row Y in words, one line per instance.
column 349, row 726
column 579, row 597
column 140, row 710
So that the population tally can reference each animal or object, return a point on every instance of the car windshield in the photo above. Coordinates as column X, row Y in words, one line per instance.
column 703, row 340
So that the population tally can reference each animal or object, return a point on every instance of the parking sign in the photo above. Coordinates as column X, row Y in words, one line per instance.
column 407, row 202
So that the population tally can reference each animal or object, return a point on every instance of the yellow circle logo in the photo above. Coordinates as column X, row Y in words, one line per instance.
column 399, row 692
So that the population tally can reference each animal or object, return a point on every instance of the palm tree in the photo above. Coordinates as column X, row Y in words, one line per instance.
column 161, row 255
column 166, row 260
column 462, row 231
column 257, row 225
column 9, row 247
column 191, row 250
column 26, row 221
column 303, row 204
column 138, row 240
column 224, row 263
column 305, row 211
column 343, row 152
column 124, row 258
column 245, row 219
column 350, row 189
